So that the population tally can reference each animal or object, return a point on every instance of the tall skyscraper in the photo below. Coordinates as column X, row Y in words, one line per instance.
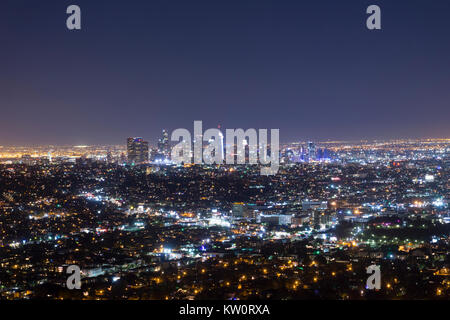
column 312, row 155
column 137, row 150
column 164, row 144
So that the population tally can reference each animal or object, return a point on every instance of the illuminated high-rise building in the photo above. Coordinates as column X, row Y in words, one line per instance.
column 137, row 150
column 312, row 155
column 164, row 144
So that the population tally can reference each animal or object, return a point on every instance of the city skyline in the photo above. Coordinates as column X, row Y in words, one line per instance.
column 311, row 69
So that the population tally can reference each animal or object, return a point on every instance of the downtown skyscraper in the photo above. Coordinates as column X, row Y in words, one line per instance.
column 137, row 150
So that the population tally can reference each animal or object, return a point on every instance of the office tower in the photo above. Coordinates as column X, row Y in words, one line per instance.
column 302, row 154
column 137, row 150
column 27, row 159
column 319, row 154
column 163, row 144
column 325, row 154
column 312, row 156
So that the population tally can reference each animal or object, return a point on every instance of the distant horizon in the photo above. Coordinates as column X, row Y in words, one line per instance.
column 153, row 144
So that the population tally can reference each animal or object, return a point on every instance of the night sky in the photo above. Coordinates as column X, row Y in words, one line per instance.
column 310, row 68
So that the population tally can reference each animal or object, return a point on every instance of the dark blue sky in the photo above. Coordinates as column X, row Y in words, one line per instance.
column 309, row 68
